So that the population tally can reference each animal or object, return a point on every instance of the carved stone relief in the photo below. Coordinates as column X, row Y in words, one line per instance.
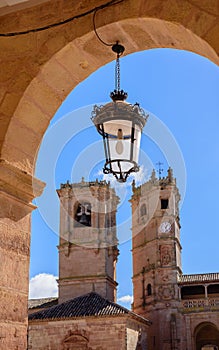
column 76, row 340
column 165, row 255
column 166, row 292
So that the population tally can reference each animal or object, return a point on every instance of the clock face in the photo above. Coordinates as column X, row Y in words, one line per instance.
column 165, row 227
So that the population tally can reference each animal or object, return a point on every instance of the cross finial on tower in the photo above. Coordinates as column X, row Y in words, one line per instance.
column 160, row 170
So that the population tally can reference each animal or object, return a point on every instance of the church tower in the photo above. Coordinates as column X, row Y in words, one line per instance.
column 156, row 254
column 88, row 242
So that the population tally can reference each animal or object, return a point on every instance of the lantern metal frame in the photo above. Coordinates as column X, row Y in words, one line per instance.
column 118, row 110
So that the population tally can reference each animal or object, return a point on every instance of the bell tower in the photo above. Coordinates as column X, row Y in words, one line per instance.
column 156, row 254
column 88, row 242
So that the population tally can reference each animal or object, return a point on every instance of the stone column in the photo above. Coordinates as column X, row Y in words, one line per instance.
column 16, row 194
column 206, row 291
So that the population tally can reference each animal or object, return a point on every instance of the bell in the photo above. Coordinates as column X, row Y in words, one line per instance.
column 84, row 215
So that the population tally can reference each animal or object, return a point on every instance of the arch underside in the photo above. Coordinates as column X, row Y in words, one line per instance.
column 51, row 63
column 207, row 336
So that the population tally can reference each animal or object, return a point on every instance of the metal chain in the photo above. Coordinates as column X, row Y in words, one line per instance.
column 117, row 74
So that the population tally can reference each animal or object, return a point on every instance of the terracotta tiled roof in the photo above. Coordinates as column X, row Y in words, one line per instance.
column 91, row 304
column 42, row 303
column 204, row 277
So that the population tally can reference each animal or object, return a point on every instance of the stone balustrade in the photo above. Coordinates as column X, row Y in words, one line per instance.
column 206, row 304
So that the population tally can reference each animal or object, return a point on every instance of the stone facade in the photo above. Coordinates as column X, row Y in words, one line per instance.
column 87, row 263
column 88, row 242
column 90, row 333
column 87, row 322
column 183, row 309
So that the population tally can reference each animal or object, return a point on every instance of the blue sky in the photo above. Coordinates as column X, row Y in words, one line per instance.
column 179, row 89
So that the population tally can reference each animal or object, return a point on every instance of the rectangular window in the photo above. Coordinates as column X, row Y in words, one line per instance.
column 164, row 203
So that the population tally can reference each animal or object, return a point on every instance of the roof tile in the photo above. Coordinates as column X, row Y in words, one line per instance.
column 91, row 304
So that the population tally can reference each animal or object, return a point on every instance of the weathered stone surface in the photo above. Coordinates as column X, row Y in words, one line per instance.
column 14, row 258
column 94, row 333
column 13, row 336
column 87, row 252
column 16, row 194
column 19, row 184
column 178, row 321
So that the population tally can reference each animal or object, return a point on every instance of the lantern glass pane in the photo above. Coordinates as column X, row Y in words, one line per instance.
column 119, row 149
column 137, row 141
column 111, row 127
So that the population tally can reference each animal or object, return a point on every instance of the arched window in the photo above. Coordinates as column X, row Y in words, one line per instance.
column 143, row 210
column 83, row 214
column 149, row 289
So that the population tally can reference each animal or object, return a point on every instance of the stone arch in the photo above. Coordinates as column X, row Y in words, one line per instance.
column 82, row 213
column 75, row 341
column 72, row 64
column 206, row 333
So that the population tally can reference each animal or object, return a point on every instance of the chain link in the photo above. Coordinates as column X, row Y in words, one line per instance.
column 117, row 74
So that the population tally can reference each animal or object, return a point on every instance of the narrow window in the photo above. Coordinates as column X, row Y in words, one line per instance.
column 164, row 203
column 149, row 289
column 143, row 210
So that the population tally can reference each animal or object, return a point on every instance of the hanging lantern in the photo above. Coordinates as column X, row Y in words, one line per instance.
column 120, row 124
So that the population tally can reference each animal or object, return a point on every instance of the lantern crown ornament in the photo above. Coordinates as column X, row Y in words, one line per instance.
column 120, row 124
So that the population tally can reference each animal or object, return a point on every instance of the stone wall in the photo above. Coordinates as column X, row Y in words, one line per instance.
column 193, row 320
column 92, row 333
column 89, row 333
column 16, row 194
column 136, row 335
column 14, row 260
